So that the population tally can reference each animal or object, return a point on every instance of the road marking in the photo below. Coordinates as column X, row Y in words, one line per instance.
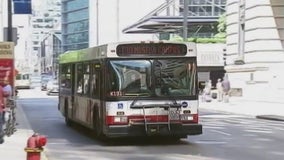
column 221, row 116
column 223, row 133
column 209, row 142
column 258, row 131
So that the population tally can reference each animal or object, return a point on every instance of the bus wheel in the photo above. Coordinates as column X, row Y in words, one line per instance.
column 97, row 124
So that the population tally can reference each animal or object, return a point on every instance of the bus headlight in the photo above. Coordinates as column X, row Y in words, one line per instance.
column 120, row 119
column 186, row 117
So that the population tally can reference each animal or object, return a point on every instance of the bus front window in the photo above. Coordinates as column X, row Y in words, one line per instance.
column 156, row 77
column 175, row 77
column 129, row 78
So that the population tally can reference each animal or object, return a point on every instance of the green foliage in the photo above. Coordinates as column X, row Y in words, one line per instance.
column 221, row 27
column 176, row 38
column 199, row 40
column 220, row 37
column 222, row 23
column 207, row 40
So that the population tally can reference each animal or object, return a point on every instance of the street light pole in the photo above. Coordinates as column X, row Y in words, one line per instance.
column 185, row 15
column 97, row 21
column 9, row 28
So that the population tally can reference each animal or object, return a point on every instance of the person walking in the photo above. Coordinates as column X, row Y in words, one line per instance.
column 220, row 90
column 226, row 88
column 207, row 91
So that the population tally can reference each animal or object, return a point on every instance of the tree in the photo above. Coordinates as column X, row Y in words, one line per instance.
column 221, row 27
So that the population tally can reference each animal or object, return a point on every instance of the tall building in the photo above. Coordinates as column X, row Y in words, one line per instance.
column 199, row 9
column 46, row 17
column 255, row 48
column 202, row 17
column 50, row 50
column 75, row 24
column 87, row 23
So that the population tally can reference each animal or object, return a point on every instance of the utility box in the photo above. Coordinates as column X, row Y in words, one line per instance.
column 14, row 34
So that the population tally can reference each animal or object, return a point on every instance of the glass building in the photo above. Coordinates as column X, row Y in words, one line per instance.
column 201, row 9
column 202, row 18
column 75, row 24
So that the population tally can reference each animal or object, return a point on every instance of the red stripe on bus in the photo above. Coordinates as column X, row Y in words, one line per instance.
column 149, row 118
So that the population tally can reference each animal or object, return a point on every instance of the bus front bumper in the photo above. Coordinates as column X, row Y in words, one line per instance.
column 173, row 130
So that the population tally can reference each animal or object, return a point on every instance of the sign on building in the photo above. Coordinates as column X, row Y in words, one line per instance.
column 22, row 7
column 7, row 69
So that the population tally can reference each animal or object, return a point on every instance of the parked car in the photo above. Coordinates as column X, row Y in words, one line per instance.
column 44, row 81
column 52, row 87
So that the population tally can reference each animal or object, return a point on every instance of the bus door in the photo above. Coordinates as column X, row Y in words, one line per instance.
column 73, row 84
column 96, row 94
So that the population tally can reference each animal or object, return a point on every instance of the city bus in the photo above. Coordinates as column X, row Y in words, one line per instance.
column 131, row 89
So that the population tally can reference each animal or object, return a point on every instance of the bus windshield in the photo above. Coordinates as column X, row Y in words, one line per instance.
column 22, row 77
column 152, row 77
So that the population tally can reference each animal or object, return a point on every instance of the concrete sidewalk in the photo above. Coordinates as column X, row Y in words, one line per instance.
column 13, row 147
column 265, row 109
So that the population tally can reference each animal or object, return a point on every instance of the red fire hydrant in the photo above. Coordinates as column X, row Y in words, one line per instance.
column 34, row 147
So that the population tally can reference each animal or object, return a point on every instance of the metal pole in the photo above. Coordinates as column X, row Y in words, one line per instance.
column 9, row 28
column 117, row 20
column 97, row 23
column 168, row 8
column 185, row 15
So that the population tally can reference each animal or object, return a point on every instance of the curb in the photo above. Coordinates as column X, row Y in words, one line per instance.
column 271, row 117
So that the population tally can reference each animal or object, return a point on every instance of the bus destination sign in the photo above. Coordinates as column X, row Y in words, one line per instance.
column 152, row 49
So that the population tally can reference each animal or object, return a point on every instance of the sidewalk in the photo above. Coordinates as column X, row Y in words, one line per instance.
column 265, row 109
column 13, row 147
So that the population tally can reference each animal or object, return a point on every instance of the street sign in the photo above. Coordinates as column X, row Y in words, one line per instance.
column 6, row 50
column 7, row 69
column 22, row 7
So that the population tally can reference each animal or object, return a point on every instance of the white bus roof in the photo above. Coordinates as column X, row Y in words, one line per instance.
column 110, row 51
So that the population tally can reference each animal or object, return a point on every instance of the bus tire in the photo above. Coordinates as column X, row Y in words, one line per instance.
column 97, row 124
column 68, row 121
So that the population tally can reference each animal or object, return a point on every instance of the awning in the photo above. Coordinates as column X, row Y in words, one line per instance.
column 169, row 24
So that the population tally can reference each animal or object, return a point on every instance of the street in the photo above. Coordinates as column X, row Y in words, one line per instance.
column 225, row 136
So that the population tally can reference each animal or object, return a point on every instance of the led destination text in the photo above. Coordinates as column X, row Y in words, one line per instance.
column 151, row 49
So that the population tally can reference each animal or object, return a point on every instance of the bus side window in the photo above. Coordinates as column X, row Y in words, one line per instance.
column 79, row 87
column 86, row 84
column 93, row 85
column 79, row 79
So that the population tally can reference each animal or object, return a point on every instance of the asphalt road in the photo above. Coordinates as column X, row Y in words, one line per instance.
column 226, row 136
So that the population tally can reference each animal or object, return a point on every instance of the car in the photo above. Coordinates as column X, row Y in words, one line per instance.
column 52, row 87
column 44, row 81
column 35, row 81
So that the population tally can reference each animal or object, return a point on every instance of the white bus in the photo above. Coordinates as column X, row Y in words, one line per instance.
column 131, row 89
column 23, row 81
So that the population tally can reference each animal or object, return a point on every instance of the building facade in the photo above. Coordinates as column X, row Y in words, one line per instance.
column 201, row 9
column 255, row 47
column 46, row 17
column 50, row 50
column 75, row 24
column 87, row 23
